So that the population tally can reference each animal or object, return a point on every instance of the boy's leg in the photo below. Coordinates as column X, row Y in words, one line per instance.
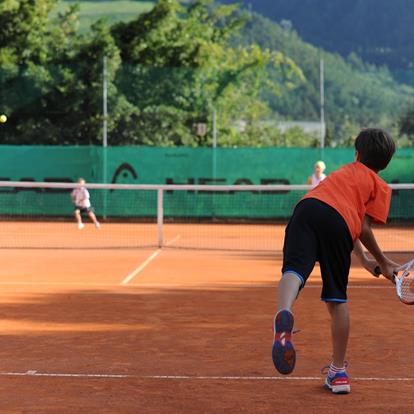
column 288, row 289
column 283, row 352
column 92, row 216
column 299, row 256
column 339, row 331
column 79, row 218
column 335, row 260
column 337, row 379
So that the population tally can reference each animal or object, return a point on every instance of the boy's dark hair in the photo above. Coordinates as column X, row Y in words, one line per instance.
column 375, row 148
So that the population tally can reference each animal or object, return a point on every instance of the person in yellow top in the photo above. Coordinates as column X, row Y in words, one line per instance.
column 318, row 174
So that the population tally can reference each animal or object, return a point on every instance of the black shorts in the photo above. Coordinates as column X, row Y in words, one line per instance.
column 83, row 209
column 318, row 233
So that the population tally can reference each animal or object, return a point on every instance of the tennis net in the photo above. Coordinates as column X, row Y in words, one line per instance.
column 249, row 218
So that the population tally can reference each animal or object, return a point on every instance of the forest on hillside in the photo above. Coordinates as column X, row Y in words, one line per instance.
column 378, row 31
column 180, row 74
column 356, row 94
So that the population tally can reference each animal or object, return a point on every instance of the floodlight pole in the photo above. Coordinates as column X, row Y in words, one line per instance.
column 322, row 94
column 214, row 148
column 214, row 142
column 105, row 104
column 105, row 132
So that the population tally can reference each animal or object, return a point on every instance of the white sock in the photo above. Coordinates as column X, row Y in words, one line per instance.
column 333, row 370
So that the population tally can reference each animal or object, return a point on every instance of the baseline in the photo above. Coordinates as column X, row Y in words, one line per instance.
column 34, row 373
column 179, row 285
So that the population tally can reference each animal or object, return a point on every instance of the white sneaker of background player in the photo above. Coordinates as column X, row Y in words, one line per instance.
column 81, row 226
column 97, row 225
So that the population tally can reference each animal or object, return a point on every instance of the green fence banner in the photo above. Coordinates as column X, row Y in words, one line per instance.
column 148, row 165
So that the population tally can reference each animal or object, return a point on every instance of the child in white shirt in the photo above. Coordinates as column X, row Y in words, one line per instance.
column 81, row 199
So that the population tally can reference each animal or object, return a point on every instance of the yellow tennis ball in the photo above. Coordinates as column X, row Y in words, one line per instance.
column 3, row 118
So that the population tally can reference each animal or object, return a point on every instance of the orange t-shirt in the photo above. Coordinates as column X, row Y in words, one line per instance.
column 355, row 191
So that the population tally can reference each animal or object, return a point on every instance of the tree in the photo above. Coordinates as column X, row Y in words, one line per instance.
column 52, row 77
column 23, row 25
column 167, row 70
column 406, row 124
column 181, row 57
column 23, row 57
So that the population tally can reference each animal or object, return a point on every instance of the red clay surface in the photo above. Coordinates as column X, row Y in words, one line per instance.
column 237, row 237
column 202, row 316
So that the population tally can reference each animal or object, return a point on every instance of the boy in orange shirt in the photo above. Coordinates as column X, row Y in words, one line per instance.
column 326, row 226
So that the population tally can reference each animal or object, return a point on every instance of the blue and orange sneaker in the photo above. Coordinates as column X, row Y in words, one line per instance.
column 283, row 352
column 338, row 383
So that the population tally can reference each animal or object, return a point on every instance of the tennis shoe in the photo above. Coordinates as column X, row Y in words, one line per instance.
column 338, row 383
column 283, row 352
column 81, row 226
column 98, row 225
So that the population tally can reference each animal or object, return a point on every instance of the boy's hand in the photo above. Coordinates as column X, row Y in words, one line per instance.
column 389, row 268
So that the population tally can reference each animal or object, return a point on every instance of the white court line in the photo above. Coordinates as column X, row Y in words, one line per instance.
column 250, row 378
column 172, row 241
column 243, row 286
column 140, row 268
column 176, row 285
column 33, row 373
column 74, row 284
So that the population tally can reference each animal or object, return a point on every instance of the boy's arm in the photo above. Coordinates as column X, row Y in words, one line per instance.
column 366, row 262
column 387, row 266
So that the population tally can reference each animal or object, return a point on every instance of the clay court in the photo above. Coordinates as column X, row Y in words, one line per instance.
column 179, row 330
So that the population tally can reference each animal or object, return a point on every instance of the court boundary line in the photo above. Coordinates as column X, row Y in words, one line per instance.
column 146, row 262
column 35, row 373
column 174, row 285
column 141, row 267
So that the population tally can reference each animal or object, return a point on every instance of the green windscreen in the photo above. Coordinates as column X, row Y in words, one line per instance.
column 146, row 165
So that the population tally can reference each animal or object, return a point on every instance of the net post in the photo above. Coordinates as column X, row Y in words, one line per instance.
column 105, row 181
column 160, row 217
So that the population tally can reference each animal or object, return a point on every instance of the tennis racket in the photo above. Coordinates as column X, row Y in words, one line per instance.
column 404, row 284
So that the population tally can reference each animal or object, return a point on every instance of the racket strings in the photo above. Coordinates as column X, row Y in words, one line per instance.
column 407, row 289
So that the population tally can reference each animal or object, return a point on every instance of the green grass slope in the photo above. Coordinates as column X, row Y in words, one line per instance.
column 112, row 11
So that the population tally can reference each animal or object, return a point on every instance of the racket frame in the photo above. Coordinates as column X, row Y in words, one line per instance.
column 398, row 280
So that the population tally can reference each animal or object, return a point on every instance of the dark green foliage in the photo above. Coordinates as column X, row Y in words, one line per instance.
column 406, row 124
column 356, row 94
column 178, row 68
column 54, row 97
column 377, row 30
column 168, row 70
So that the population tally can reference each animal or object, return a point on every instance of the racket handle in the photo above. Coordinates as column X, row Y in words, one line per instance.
column 377, row 272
